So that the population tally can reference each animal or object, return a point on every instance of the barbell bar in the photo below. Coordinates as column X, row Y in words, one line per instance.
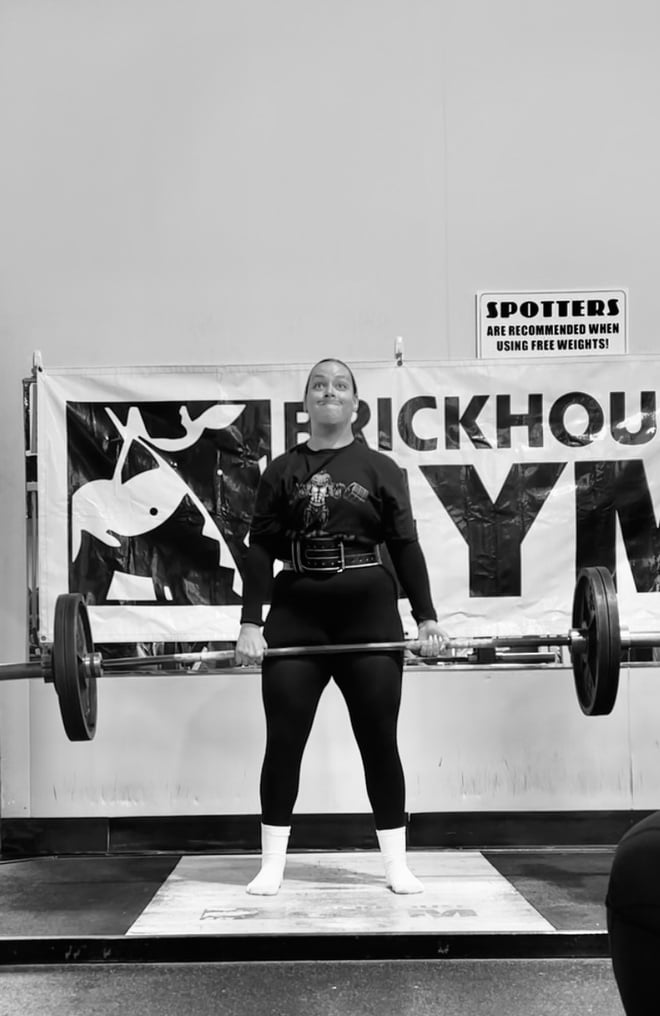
column 411, row 645
column 595, row 642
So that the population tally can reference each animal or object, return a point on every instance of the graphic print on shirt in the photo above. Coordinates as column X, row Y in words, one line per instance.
column 318, row 491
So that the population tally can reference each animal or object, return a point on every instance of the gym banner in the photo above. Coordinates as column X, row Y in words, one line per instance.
column 519, row 473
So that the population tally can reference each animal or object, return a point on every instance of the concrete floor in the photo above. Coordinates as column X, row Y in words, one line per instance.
column 561, row 987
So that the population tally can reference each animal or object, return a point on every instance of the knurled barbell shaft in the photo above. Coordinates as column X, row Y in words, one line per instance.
column 517, row 661
column 227, row 655
column 414, row 646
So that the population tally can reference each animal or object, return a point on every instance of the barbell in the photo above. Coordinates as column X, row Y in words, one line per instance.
column 596, row 642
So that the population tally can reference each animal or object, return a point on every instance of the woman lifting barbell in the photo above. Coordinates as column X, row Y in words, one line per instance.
column 324, row 509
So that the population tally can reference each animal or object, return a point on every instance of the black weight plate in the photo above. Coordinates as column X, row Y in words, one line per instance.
column 596, row 617
column 75, row 687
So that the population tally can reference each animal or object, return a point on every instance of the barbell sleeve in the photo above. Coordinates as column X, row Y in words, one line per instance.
column 639, row 639
column 21, row 671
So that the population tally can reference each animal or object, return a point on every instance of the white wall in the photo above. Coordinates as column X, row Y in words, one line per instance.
column 205, row 181
column 470, row 740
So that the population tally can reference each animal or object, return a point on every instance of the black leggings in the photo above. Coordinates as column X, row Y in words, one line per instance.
column 353, row 606
column 371, row 686
column 633, row 917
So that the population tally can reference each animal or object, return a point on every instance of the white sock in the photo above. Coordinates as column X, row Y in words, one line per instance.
column 399, row 878
column 274, row 840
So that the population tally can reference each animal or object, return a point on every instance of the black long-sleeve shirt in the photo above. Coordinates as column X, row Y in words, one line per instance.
column 353, row 492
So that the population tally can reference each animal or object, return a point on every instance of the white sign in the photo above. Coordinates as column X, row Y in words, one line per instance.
column 538, row 325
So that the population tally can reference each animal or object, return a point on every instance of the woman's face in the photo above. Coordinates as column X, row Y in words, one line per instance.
column 330, row 397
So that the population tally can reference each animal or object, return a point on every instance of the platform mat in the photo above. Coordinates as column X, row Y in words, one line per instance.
column 337, row 893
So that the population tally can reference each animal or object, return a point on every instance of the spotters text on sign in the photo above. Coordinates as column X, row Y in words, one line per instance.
column 553, row 308
column 545, row 337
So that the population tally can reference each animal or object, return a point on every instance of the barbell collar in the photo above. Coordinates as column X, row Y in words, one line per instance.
column 577, row 641
column 92, row 665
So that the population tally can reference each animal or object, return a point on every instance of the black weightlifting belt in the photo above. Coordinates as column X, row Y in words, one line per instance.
column 319, row 555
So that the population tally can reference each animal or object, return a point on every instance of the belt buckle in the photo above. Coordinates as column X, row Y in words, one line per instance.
column 300, row 566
